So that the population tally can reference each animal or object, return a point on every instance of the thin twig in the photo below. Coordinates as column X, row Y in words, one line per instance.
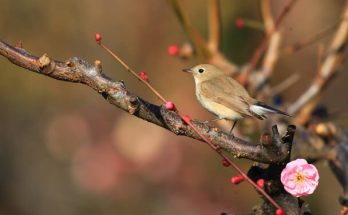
column 272, row 55
column 214, row 25
column 267, row 16
column 199, row 133
column 244, row 77
column 134, row 73
column 260, row 84
column 196, row 38
column 308, row 41
column 284, row 12
column 254, row 24
column 276, row 90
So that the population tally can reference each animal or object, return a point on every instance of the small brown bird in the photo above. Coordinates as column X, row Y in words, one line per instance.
column 225, row 97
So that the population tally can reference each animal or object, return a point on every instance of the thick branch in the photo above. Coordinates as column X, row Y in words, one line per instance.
column 78, row 70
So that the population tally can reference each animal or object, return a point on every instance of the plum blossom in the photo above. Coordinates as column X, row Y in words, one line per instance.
column 300, row 178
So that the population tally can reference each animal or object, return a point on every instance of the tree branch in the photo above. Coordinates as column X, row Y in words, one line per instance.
column 328, row 68
column 258, row 53
column 267, row 16
column 79, row 71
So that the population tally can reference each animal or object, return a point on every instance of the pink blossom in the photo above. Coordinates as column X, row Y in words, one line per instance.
column 300, row 178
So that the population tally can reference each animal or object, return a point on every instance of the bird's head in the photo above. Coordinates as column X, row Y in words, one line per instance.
column 204, row 72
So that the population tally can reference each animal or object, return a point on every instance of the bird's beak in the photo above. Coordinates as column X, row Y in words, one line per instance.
column 187, row 70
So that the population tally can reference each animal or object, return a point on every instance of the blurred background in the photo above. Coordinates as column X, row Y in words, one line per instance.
column 65, row 150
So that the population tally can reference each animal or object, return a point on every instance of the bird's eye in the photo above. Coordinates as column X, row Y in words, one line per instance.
column 201, row 70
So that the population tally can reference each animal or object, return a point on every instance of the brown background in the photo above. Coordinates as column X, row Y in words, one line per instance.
column 64, row 150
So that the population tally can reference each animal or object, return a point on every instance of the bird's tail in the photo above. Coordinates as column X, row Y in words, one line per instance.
column 262, row 109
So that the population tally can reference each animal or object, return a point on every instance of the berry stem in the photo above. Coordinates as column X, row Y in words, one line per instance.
column 133, row 73
column 199, row 133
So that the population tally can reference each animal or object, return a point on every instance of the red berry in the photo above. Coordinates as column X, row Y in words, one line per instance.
column 98, row 37
column 143, row 76
column 169, row 106
column 225, row 163
column 187, row 119
column 280, row 212
column 239, row 23
column 237, row 179
column 173, row 50
column 260, row 182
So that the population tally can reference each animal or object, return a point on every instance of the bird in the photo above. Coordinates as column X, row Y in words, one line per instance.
column 226, row 98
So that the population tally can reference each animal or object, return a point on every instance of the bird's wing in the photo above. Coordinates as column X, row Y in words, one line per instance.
column 216, row 92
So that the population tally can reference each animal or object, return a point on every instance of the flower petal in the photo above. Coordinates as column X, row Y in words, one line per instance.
column 300, row 178
column 296, row 163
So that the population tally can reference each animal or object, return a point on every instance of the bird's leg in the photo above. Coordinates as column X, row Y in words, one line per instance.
column 211, row 120
column 234, row 124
